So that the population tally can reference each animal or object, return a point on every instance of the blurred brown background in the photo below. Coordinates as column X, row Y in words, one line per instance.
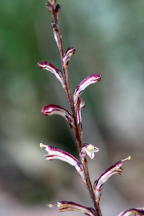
column 109, row 39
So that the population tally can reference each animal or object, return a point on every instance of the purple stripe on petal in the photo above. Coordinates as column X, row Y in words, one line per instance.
column 53, row 109
column 93, row 78
column 72, row 206
column 55, row 153
column 133, row 212
column 49, row 67
column 114, row 169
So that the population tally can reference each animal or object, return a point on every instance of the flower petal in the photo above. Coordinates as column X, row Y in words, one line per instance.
column 114, row 169
column 52, row 109
column 67, row 56
column 80, row 105
column 47, row 66
column 88, row 149
column 133, row 212
column 93, row 78
column 72, row 206
column 55, row 153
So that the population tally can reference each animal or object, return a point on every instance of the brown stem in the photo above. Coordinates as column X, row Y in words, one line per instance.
column 77, row 129
column 90, row 188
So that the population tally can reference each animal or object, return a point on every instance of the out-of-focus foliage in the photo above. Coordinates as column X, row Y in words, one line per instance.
column 109, row 39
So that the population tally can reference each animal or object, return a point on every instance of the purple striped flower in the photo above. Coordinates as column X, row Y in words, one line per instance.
column 133, row 212
column 67, row 56
column 114, row 169
column 93, row 78
column 55, row 153
column 88, row 149
column 52, row 109
column 49, row 67
column 72, row 206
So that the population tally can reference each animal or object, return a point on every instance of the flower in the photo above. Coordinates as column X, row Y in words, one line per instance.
column 55, row 153
column 92, row 78
column 133, row 212
column 52, row 109
column 49, row 67
column 88, row 149
column 68, row 54
column 72, row 206
column 114, row 169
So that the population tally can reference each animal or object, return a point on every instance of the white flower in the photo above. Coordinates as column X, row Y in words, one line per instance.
column 88, row 149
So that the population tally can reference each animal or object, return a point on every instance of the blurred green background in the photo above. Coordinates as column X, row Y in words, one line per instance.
column 109, row 39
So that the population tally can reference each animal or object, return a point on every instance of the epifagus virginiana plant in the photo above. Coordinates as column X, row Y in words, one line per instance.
column 74, row 119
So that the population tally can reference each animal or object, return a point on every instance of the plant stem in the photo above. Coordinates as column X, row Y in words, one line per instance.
column 77, row 129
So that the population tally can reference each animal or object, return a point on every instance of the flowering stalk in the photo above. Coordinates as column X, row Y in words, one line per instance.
column 74, row 119
column 74, row 100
